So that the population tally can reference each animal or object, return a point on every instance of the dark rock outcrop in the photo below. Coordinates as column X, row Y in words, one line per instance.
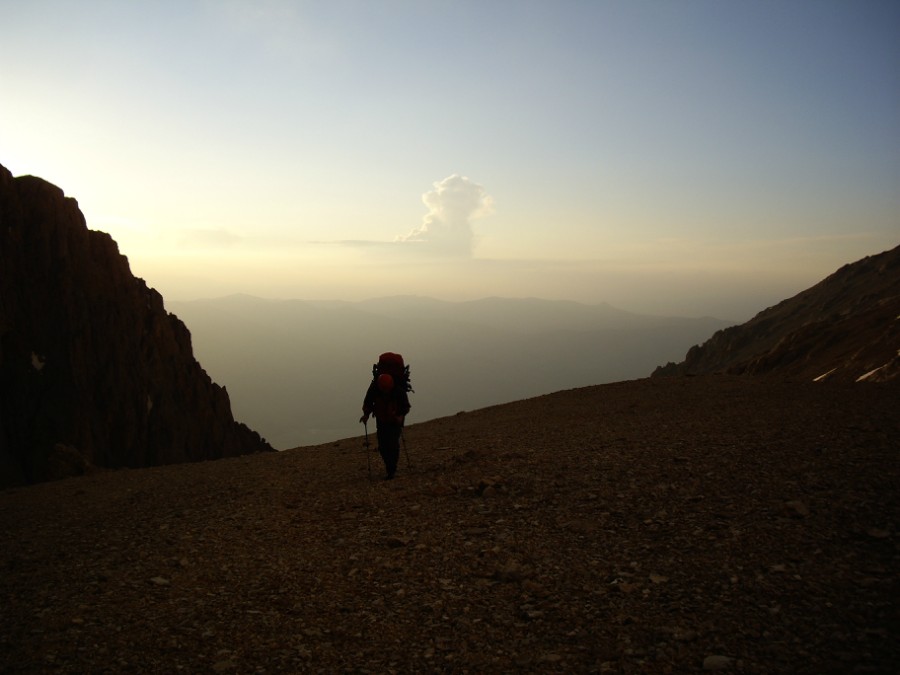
column 846, row 327
column 93, row 370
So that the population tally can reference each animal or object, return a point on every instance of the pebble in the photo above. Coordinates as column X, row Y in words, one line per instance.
column 797, row 508
column 717, row 662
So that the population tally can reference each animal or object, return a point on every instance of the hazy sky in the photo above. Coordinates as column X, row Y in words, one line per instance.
column 690, row 157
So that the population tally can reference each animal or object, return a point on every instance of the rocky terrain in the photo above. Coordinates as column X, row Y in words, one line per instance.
column 679, row 525
column 846, row 327
column 93, row 370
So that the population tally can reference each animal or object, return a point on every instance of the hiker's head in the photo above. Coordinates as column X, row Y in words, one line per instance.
column 385, row 382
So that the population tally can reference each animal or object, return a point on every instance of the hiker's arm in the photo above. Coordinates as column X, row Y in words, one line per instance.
column 368, row 405
column 403, row 405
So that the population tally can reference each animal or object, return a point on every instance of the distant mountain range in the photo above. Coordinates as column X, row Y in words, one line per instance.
column 846, row 327
column 297, row 370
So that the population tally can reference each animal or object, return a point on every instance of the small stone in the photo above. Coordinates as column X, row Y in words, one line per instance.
column 534, row 588
column 797, row 508
column 159, row 581
column 717, row 662
column 877, row 533
column 511, row 571
column 684, row 635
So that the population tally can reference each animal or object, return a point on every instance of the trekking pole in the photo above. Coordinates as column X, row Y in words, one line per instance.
column 403, row 438
column 368, row 452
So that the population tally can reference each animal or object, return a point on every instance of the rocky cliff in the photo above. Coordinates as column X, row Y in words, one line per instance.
column 93, row 370
column 846, row 327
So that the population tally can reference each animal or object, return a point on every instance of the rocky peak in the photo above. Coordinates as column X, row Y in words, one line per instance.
column 846, row 327
column 93, row 370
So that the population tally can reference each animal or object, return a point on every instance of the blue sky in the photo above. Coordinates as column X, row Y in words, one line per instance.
column 702, row 157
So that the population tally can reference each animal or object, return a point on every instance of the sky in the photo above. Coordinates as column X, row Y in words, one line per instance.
column 695, row 157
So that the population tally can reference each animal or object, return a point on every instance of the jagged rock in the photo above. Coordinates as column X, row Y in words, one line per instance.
column 90, row 361
column 845, row 328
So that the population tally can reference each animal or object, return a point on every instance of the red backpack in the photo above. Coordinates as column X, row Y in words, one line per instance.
column 392, row 364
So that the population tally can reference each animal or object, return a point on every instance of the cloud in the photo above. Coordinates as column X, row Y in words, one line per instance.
column 452, row 206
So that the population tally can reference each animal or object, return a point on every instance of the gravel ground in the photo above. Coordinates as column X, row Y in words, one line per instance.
column 653, row 526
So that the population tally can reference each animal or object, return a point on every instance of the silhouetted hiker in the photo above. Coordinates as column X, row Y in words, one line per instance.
column 387, row 399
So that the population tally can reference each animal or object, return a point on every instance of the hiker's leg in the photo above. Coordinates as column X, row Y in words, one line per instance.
column 383, row 442
column 388, row 447
column 389, row 443
column 394, row 452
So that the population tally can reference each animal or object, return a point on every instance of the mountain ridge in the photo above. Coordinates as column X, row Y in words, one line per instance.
column 846, row 327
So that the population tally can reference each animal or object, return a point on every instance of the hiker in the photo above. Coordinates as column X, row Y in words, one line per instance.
column 387, row 399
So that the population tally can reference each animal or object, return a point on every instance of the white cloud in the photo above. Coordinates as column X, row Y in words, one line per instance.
column 452, row 206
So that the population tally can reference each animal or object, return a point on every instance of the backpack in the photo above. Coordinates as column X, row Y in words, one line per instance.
column 392, row 364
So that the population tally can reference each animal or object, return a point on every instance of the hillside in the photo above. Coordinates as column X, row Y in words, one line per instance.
column 652, row 526
column 846, row 327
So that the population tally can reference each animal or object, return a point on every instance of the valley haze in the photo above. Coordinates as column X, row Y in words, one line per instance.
column 296, row 370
